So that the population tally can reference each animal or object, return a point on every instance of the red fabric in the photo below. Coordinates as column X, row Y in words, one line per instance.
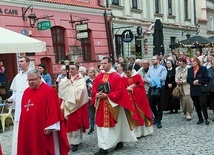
column 138, row 97
column 44, row 112
column 78, row 119
column 115, row 96
column 0, row 150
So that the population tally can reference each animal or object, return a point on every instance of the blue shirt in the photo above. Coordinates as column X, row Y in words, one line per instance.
column 47, row 79
column 156, row 72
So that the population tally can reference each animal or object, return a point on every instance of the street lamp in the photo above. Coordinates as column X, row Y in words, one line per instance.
column 32, row 19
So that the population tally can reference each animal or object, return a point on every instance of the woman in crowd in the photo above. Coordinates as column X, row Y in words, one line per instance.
column 134, row 85
column 62, row 75
column 119, row 68
column 197, row 75
column 171, row 103
column 181, row 80
column 43, row 70
column 2, row 73
column 211, row 82
column 92, row 73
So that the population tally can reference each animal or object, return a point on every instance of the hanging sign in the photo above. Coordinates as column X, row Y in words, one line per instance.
column 127, row 36
column 44, row 25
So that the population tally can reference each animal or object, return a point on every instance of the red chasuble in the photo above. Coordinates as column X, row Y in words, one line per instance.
column 138, row 98
column 104, row 117
column 0, row 150
column 40, row 109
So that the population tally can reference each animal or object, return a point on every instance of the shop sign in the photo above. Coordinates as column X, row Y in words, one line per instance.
column 82, row 35
column 82, row 27
column 44, row 25
column 127, row 36
column 8, row 11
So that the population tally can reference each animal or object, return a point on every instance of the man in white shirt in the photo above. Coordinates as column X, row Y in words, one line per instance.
column 18, row 86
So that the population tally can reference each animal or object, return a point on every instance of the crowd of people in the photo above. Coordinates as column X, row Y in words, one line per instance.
column 121, row 102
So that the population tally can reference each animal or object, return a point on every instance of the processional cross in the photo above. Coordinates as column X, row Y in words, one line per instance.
column 28, row 105
column 67, row 63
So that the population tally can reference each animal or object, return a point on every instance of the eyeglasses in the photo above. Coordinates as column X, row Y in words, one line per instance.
column 72, row 68
column 32, row 80
column 153, row 59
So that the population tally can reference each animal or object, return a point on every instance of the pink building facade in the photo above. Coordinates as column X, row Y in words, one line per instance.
column 77, row 32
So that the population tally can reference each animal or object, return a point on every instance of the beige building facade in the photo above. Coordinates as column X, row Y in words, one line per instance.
column 180, row 18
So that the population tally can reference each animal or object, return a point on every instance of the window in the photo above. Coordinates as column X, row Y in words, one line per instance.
column 86, row 49
column 186, row 9
column 157, row 6
column 57, row 34
column 210, row 24
column 138, row 48
column 170, row 7
column 134, row 4
column 115, row 2
column 119, row 45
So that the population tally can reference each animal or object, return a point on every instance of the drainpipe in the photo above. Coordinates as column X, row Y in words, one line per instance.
column 109, row 36
column 194, row 5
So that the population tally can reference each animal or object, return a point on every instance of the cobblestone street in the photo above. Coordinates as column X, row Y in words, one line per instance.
column 177, row 137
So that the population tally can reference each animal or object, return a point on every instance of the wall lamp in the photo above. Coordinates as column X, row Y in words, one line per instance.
column 32, row 17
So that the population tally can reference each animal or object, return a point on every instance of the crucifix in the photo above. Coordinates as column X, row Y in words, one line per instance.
column 67, row 63
column 28, row 105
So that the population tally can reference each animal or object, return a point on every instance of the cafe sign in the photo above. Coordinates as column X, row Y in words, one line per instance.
column 8, row 11
column 44, row 25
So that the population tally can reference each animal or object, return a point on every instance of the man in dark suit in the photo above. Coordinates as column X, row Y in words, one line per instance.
column 134, row 65
column 196, row 76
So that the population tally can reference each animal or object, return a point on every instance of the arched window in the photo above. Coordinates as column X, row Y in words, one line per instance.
column 57, row 34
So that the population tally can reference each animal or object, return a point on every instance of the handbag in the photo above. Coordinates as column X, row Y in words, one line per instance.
column 205, row 88
column 176, row 92
column 155, row 92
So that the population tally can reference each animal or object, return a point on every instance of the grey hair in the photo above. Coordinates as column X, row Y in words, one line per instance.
column 34, row 71
column 63, row 67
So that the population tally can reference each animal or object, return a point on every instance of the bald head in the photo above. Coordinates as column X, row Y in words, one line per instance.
column 145, row 63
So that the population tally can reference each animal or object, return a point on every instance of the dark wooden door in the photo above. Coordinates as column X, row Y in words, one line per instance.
column 10, row 64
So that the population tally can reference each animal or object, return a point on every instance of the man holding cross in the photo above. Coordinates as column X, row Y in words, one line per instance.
column 41, row 126
column 73, row 92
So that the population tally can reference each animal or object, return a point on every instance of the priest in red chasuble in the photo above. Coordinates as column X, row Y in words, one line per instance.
column 73, row 93
column 134, row 85
column 41, row 128
column 112, row 125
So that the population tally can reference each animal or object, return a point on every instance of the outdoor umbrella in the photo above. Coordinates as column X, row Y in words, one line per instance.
column 196, row 41
column 13, row 42
column 212, row 37
column 158, row 38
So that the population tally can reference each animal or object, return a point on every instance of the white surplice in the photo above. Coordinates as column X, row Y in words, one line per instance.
column 18, row 86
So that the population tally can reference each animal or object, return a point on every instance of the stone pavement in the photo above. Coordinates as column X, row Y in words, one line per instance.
column 177, row 137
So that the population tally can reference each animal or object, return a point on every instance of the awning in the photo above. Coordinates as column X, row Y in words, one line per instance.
column 13, row 42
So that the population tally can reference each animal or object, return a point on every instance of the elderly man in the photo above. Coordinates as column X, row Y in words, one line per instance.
column 73, row 93
column 41, row 127
column 143, row 72
column 134, row 65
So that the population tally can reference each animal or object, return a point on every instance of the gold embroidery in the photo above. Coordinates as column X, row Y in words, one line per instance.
column 130, row 81
column 105, row 104
column 105, row 77
column 106, row 113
